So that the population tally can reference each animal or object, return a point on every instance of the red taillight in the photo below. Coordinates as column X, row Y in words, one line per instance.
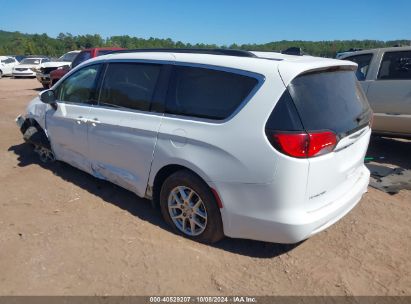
column 293, row 144
column 303, row 144
column 321, row 143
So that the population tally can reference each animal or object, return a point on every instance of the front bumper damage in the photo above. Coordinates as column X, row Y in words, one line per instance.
column 33, row 134
column 20, row 120
column 43, row 78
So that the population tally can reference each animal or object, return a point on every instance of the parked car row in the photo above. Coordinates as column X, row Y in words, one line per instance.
column 82, row 56
column 48, row 71
column 21, row 66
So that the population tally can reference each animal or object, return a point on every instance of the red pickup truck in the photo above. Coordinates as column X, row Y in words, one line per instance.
column 84, row 55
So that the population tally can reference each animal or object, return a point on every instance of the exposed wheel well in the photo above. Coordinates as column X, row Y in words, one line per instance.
column 30, row 122
column 39, row 138
column 162, row 175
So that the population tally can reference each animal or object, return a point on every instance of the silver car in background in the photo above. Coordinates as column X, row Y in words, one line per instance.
column 385, row 75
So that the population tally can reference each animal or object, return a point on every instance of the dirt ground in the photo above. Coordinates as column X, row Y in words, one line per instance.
column 63, row 232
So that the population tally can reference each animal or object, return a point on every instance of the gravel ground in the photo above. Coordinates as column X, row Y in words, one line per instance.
column 63, row 232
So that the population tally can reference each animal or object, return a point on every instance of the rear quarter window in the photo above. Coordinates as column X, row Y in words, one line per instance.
column 207, row 93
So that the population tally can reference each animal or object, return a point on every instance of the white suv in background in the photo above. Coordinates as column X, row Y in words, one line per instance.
column 7, row 64
column 251, row 145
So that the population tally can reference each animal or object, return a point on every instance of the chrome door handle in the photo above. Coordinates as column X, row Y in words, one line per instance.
column 94, row 121
column 81, row 119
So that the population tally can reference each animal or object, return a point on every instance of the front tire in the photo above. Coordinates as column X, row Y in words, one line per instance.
column 188, row 205
column 40, row 144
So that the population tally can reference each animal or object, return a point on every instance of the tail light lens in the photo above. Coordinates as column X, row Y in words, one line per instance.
column 303, row 144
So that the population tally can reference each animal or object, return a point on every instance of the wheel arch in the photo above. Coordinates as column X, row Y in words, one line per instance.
column 40, row 138
column 30, row 122
column 164, row 172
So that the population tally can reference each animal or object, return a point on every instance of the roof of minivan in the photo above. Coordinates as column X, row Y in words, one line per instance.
column 265, row 63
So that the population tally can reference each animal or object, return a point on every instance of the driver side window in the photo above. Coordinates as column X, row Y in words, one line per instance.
column 80, row 87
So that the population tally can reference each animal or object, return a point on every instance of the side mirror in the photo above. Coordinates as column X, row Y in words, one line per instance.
column 49, row 97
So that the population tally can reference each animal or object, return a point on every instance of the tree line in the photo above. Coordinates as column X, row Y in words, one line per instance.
column 16, row 43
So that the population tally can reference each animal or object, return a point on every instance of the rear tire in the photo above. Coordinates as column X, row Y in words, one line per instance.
column 1, row 74
column 189, row 207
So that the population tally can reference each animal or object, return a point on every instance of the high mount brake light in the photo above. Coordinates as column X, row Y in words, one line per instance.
column 302, row 144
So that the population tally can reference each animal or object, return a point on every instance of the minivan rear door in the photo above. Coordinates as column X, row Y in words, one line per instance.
column 331, row 99
column 124, row 125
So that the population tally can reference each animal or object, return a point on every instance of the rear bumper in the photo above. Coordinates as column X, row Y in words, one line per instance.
column 277, row 223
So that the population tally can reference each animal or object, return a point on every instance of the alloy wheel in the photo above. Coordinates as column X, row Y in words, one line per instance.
column 187, row 210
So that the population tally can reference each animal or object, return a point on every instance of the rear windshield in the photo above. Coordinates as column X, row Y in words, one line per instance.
column 104, row 52
column 330, row 100
column 68, row 57
column 81, row 57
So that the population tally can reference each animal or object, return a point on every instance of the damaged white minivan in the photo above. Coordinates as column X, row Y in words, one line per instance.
column 254, row 145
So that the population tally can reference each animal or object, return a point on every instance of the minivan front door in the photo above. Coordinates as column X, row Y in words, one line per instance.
column 123, row 129
column 67, row 126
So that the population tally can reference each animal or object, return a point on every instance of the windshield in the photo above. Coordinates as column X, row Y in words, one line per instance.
column 68, row 57
column 30, row 61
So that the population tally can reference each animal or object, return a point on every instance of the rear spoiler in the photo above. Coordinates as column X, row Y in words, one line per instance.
column 288, row 70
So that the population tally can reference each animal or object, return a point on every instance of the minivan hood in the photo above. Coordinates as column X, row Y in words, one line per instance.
column 55, row 64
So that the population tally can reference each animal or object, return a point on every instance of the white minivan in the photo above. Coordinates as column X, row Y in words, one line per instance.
column 253, row 145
